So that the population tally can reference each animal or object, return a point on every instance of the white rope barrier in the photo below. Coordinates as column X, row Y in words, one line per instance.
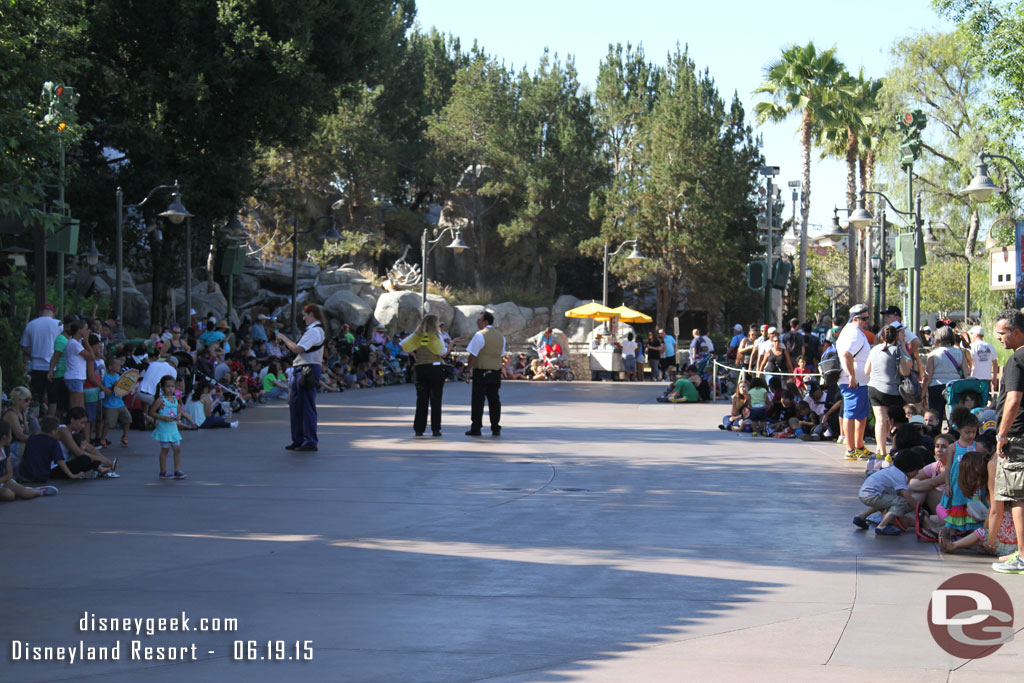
column 714, row 375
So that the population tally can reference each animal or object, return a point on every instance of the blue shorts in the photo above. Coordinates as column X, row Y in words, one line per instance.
column 75, row 386
column 629, row 363
column 856, row 404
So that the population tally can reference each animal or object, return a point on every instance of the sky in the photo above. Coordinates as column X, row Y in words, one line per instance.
column 734, row 41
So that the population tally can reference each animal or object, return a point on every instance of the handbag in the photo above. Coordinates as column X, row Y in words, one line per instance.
column 910, row 388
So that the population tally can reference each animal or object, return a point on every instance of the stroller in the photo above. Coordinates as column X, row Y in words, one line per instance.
column 955, row 390
column 557, row 367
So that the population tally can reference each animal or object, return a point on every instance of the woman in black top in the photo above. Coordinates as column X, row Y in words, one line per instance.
column 654, row 348
column 777, row 359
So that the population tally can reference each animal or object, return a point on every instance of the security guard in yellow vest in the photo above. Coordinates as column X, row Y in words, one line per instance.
column 426, row 346
column 486, row 349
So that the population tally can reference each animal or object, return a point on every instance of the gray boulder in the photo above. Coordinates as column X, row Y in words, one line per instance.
column 464, row 324
column 246, row 287
column 136, row 308
column 348, row 307
column 276, row 274
column 564, row 303
column 341, row 276
column 326, row 291
column 510, row 318
column 398, row 311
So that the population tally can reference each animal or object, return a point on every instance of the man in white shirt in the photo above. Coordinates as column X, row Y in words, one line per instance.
column 629, row 357
column 853, row 348
column 37, row 342
column 156, row 371
column 986, row 365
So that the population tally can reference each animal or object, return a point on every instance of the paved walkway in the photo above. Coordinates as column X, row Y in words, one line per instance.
column 603, row 537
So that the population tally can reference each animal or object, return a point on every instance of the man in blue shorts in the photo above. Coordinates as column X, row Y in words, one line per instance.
column 853, row 347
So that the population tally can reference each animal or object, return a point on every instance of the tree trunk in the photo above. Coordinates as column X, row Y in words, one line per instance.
column 852, row 248
column 806, row 128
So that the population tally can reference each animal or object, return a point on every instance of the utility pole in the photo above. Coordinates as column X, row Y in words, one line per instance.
column 769, row 172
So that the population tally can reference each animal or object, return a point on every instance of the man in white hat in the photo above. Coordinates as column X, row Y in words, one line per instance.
column 913, row 342
column 853, row 348
column 986, row 365
column 734, row 343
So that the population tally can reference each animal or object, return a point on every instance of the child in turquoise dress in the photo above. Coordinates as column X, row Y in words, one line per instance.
column 167, row 414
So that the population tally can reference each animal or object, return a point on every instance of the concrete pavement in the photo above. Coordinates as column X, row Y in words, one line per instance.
column 602, row 537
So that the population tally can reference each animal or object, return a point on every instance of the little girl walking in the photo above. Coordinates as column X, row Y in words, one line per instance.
column 166, row 412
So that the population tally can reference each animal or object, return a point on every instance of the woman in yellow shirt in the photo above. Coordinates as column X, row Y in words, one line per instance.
column 427, row 348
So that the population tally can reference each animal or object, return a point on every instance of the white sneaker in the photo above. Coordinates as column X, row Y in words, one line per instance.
column 111, row 475
column 234, row 425
column 841, row 439
column 1015, row 565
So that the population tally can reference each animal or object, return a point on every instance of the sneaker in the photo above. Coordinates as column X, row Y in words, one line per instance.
column 124, row 442
column 841, row 439
column 864, row 454
column 180, row 475
column 166, row 475
column 47, row 490
column 810, row 437
column 234, row 425
column 1015, row 565
column 852, row 454
column 893, row 530
column 860, row 523
column 111, row 475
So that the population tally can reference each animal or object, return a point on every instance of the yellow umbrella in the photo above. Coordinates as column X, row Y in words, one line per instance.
column 628, row 315
column 592, row 310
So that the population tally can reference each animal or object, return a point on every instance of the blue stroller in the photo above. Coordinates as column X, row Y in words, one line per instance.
column 955, row 390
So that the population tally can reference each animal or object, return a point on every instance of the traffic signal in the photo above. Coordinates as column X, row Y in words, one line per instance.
column 60, row 101
column 912, row 124
column 780, row 276
column 755, row 275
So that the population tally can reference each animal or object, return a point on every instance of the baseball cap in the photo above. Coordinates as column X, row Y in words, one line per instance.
column 738, row 327
column 893, row 310
column 261, row 317
column 858, row 309
column 765, row 327
column 48, row 307
column 173, row 360
column 916, row 420
column 976, row 330
column 771, row 330
column 898, row 325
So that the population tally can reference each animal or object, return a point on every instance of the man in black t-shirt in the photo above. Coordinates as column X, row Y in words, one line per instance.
column 1009, row 480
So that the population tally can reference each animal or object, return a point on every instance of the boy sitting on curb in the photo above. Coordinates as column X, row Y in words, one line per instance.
column 886, row 490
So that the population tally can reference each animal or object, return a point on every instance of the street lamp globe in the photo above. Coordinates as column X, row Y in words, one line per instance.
column 333, row 235
column 457, row 245
column 176, row 212
column 92, row 256
column 981, row 188
column 635, row 255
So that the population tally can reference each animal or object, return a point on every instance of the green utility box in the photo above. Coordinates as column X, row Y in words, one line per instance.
column 232, row 260
column 65, row 239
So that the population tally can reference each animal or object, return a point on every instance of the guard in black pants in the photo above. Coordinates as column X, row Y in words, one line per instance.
column 427, row 347
column 485, row 349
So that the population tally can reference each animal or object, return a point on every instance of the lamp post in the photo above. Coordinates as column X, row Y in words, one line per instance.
column 331, row 234
column 634, row 255
column 982, row 188
column 858, row 218
column 428, row 245
column 769, row 172
column 175, row 213
column 876, row 271
column 864, row 216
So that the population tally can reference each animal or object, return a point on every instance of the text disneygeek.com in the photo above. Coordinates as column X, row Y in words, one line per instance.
column 143, row 651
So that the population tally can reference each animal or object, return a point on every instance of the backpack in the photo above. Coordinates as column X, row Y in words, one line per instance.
column 791, row 340
column 829, row 366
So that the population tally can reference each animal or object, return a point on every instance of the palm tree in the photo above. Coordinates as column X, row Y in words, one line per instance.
column 803, row 81
column 848, row 135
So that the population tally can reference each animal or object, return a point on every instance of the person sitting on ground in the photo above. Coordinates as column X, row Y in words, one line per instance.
column 758, row 405
column 929, row 485
column 815, row 399
column 9, row 488
column 74, row 442
column 739, row 415
column 44, row 458
column 201, row 406
column 683, row 391
column 804, row 419
column 18, row 419
column 998, row 536
column 691, row 373
column 274, row 385
column 538, row 370
column 886, row 491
